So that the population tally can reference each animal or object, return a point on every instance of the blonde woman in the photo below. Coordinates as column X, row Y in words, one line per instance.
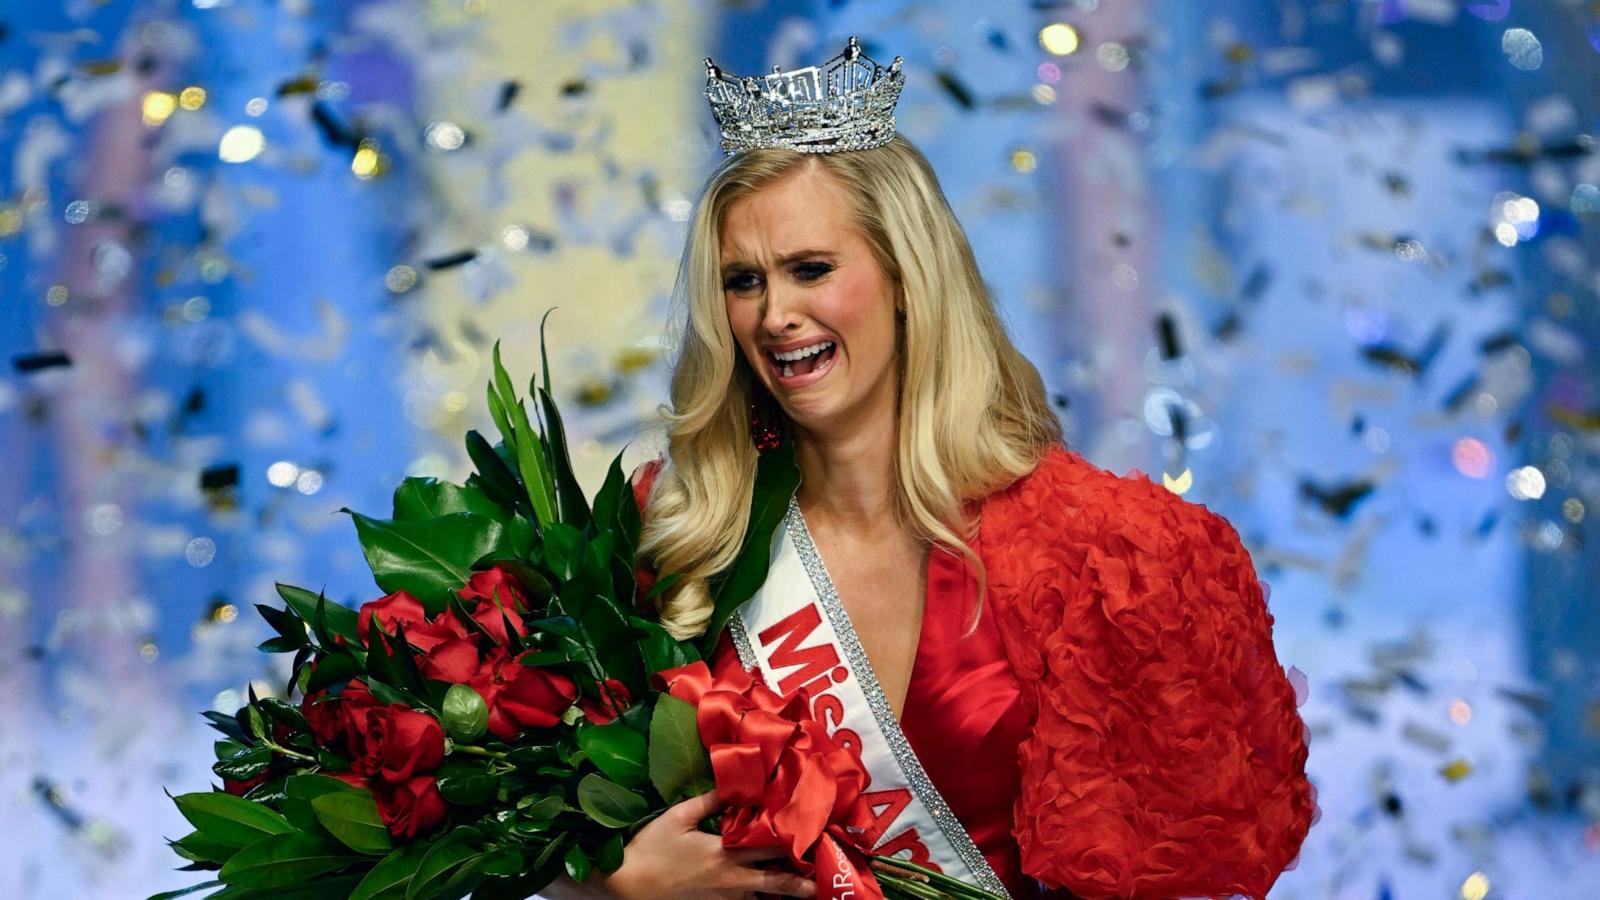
column 1062, row 682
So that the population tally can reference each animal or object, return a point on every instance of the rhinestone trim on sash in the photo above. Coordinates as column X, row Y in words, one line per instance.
column 918, row 779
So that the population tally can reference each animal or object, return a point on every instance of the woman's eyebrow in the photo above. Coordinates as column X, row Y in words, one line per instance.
column 740, row 265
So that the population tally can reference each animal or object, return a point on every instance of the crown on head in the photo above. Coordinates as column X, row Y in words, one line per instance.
column 847, row 103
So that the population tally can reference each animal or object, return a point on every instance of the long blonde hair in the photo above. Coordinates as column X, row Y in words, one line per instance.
column 972, row 412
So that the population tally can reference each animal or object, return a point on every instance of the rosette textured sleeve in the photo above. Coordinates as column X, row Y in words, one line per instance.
column 1167, row 756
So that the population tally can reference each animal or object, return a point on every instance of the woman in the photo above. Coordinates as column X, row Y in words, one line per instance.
column 1062, row 681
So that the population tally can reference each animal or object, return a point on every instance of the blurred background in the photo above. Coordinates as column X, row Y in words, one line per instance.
column 1326, row 266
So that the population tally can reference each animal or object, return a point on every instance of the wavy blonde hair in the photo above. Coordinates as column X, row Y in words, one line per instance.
column 956, row 365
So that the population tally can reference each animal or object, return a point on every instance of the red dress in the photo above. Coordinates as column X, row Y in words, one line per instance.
column 1118, row 724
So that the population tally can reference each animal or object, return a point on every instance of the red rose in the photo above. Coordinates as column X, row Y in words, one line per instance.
column 393, row 609
column 410, row 807
column 240, row 788
column 353, row 779
column 394, row 743
column 455, row 661
column 322, row 714
column 493, row 619
column 482, row 587
column 522, row 696
column 614, row 700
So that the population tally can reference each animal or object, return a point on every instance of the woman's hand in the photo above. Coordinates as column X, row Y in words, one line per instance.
column 672, row 858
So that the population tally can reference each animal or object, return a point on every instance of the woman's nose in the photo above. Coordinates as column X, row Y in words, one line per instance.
column 782, row 313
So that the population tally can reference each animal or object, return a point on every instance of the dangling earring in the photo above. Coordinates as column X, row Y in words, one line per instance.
column 766, row 432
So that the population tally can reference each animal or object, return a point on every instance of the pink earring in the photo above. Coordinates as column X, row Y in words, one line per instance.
column 765, row 430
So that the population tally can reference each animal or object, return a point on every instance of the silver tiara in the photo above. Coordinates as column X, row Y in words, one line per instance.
column 845, row 104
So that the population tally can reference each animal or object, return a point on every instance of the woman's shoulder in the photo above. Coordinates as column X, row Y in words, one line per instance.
column 1067, row 498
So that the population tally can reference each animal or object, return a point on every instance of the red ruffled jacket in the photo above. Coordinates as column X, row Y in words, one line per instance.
column 1166, row 757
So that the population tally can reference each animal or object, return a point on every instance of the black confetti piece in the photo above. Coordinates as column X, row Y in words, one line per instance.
column 34, row 362
column 451, row 260
column 1167, row 329
column 956, row 89
column 334, row 130
column 1338, row 500
column 508, row 95
column 215, row 478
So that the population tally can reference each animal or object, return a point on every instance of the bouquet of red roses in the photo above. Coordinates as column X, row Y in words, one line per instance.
column 510, row 710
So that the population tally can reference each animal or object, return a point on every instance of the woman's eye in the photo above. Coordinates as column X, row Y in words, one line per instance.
column 811, row 271
column 741, row 283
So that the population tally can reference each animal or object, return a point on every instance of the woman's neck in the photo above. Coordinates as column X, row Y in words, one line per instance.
column 847, row 480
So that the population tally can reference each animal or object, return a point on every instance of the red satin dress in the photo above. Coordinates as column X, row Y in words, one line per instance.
column 963, row 715
column 1117, row 725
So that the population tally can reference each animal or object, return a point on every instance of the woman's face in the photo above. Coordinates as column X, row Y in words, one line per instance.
column 798, row 275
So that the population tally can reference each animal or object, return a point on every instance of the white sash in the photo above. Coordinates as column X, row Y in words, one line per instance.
column 798, row 633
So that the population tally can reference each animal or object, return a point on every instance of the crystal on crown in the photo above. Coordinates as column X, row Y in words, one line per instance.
column 847, row 103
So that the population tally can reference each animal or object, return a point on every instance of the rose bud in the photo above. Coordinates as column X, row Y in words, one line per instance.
column 613, row 701
column 240, row 788
column 392, row 609
column 482, row 586
column 410, row 807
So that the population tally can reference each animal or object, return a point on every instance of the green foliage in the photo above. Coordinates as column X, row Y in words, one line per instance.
column 285, row 860
column 230, row 820
column 777, row 477
column 464, row 714
column 679, row 766
column 616, row 750
column 352, row 817
column 430, row 558
column 609, row 803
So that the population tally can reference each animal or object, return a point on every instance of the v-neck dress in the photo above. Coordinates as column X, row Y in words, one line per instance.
column 1116, row 724
column 964, row 716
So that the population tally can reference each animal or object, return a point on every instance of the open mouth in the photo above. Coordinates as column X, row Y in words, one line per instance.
column 803, row 365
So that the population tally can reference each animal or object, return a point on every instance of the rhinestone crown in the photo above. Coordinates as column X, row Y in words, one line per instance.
column 847, row 103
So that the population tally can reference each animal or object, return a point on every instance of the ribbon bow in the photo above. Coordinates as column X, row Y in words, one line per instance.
column 783, row 781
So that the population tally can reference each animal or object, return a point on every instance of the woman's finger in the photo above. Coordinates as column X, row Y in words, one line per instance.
column 746, row 855
column 784, row 884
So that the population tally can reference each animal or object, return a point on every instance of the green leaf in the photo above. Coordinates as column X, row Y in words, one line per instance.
column 466, row 784
column 661, row 651
column 464, row 713
column 227, row 724
column 777, row 477
column 285, row 860
column 420, row 499
column 529, row 450
column 577, row 864
column 437, row 866
column 334, row 668
column 300, row 790
column 180, row 892
column 493, row 476
column 679, row 765
column 196, row 847
column 563, row 549
column 610, row 857
column 390, row 878
column 617, row 751
column 229, row 819
column 336, row 618
column 352, row 817
column 244, row 764
column 609, row 803
column 429, row 559
column 284, row 712
column 574, row 506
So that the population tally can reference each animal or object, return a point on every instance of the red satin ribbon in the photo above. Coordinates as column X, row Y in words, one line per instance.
column 784, row 783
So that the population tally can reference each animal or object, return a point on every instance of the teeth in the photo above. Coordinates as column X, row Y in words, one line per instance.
column 802, row 353
column 788, row 370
